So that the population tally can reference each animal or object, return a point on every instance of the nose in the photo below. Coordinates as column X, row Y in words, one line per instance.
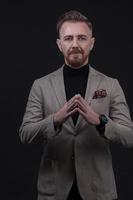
column 75, row 42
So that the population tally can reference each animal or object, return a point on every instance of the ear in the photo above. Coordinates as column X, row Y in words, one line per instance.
column 92, row 43
column 58, row 42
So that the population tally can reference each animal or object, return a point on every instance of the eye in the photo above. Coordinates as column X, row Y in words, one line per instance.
column 68, row 38
column 82, row 38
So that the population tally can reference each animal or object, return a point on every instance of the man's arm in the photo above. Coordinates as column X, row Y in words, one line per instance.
column 119, row 127
column 34, row 123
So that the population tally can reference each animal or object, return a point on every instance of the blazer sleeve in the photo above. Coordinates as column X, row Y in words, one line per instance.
column 34, row 121
column 120, row 126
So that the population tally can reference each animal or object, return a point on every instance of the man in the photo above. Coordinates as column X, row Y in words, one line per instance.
column 77, row 111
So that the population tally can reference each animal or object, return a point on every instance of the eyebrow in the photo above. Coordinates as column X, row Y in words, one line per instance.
column 80, row 35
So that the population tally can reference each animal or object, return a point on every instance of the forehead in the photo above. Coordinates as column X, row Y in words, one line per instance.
column 75, row 28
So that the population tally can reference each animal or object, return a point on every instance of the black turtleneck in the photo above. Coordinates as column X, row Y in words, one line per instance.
column 75, row 81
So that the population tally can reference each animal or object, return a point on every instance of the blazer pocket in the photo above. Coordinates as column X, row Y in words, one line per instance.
column 101, row 105
column 47, row 175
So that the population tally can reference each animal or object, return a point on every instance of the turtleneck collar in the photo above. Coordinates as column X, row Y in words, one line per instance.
column 83, row 69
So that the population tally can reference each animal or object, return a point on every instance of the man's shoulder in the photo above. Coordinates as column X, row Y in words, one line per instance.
column 49, row 75
column 101, row 74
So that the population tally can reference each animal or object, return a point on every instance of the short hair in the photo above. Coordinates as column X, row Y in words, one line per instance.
column 72, row 16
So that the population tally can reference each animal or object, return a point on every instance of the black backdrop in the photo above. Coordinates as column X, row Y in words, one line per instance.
column 28, row 51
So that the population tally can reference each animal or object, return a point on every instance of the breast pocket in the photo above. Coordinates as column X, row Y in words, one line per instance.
column 101, row 105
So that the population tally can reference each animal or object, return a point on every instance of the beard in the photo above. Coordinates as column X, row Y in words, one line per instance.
column 76, row 60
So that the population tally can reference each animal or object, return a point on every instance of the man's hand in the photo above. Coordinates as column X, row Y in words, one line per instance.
column 66, row 111
column 76, row 103
column 86, row 111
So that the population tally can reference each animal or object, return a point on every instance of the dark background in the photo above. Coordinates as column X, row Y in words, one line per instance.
column 28, row 50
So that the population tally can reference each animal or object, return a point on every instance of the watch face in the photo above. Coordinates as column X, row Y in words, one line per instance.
column 104, row 119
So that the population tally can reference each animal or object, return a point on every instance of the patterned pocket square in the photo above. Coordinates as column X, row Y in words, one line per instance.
column 99, row 94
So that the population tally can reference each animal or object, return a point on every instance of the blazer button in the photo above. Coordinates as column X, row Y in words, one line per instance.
column 74, row 133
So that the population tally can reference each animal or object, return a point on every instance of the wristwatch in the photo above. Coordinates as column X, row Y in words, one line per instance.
column 103, row 121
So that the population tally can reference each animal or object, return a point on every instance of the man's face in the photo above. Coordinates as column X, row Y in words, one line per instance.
column 75, row 43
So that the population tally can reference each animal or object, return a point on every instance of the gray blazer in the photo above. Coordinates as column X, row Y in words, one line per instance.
column 79, row 148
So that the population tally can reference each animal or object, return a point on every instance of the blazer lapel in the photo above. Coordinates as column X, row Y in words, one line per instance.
column 93, row 82
column 59, row 87
column 92, row 85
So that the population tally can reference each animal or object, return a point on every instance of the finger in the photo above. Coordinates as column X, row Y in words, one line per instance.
column 71, row 106
column 77, row 96
column 73, row 98
column 81, row 112
column 70, row 103
column 81, row 105
column 72, row 112
column 80, row 98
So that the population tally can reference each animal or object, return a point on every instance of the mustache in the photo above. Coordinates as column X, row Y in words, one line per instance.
column 73, row 51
